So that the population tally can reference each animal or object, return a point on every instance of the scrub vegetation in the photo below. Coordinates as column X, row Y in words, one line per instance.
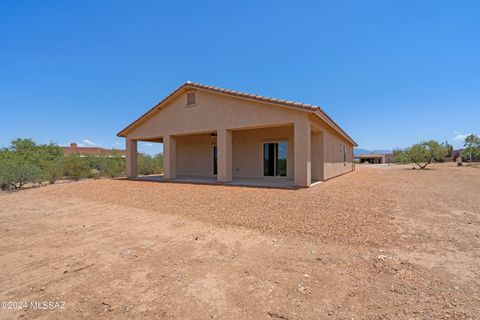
column 26, row 162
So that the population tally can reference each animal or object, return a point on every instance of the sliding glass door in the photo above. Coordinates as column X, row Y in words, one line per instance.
column 275, row 159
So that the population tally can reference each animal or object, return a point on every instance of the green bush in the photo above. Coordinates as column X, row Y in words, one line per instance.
column 116, row 167
column 53, row 169
column 147, row 164
column 15, row 174
column 75, row 167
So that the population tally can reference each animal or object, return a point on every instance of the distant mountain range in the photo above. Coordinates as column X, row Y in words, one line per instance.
column 359, row 151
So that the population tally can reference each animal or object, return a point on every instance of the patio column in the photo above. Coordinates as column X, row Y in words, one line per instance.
column 302, row 153
column 169, row 157
column 131, row 158
column 224, row 161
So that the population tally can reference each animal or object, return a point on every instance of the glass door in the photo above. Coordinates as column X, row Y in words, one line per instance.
column 215, row 155
column 275, row 159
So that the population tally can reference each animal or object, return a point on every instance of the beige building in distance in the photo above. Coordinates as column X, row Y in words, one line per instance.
column 375, row 158
column 224, row 136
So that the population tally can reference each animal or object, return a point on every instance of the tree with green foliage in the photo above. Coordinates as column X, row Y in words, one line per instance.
column 147, row 164
column 422, row 154
column 27, row 162
column 75, row 167
column 116, row 166
column 472, row 147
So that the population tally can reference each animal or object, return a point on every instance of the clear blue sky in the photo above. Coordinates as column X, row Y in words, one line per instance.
column 390, row 73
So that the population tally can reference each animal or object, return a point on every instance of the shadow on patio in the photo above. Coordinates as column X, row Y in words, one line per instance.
column 278, row 183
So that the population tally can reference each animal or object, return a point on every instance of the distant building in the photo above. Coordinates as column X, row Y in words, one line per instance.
column 94, row 151
column 375, row 158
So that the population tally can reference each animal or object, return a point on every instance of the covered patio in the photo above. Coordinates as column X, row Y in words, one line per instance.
column 242, row 182
column 254, row 156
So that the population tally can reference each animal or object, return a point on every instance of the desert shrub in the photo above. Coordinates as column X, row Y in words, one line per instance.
column 158, row 159
column 94, row 174
column 147, row 164
column 15, row 173
column 116, row 166
column 53, row 169
column 422, row 154
column 75, row 167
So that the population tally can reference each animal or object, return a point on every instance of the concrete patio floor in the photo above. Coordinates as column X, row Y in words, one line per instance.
column 281, row 183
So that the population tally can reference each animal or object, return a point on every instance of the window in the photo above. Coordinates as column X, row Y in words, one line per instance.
column 190, row 98
column 275, row 159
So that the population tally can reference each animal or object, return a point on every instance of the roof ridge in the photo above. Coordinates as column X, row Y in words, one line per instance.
column 253, row 96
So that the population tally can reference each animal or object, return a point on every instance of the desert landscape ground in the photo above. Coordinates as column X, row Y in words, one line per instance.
column 383, row 242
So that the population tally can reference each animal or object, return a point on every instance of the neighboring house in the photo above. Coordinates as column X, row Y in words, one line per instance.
column 96, row 151
column 212, row 132
column 375, row 158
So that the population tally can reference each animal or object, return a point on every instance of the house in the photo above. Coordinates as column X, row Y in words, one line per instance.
column 375, row 158
column 230, row 136
column 93, row 151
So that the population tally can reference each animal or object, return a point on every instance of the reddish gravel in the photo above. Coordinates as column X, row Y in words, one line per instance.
column 380, row 243
column 345, row 210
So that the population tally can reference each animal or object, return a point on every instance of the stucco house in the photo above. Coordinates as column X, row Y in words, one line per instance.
column 231, row 136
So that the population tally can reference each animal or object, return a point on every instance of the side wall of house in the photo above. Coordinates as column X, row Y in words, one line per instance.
column 334, row 156
column 317, row 156
column 333, row 152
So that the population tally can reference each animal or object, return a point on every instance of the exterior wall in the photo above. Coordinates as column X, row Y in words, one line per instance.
column 212, row 112
column 317, row 156
column 334, row 164
column 332, row 152
column 195, row 155
column 195, row 152
column 248, row 150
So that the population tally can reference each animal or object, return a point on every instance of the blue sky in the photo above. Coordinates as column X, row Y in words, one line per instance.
column 390, row 73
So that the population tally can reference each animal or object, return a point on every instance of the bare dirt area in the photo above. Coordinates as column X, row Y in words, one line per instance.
column 380, row 243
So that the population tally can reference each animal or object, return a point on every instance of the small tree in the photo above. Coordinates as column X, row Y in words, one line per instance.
column 75, row 167
column 52, row 169
column 422, row 154
column 472, row 146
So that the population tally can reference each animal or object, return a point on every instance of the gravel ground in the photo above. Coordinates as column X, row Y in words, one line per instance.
column 333, row 212
column 380, row 243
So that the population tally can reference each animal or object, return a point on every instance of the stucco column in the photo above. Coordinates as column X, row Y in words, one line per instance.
column 302, row 153
column 224, row 160
column 169, row 157
column 131, row 158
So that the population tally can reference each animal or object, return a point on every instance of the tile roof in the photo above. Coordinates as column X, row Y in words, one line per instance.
column 282, row 102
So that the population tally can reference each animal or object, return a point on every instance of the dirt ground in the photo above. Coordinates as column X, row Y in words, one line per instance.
column 384, row 242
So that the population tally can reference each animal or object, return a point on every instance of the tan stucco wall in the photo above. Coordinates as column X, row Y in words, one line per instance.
column 334, row 164
column 248, row 150
column 317, row 156
column 195, row 155
column 332, row 152
column 211, row 112
column 195, row 152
